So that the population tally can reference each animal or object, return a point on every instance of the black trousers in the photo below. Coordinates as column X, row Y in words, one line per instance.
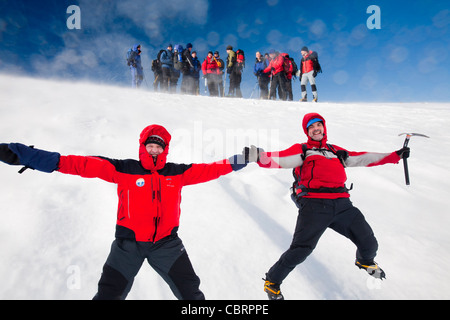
column 213, row 84
column 167, row 257
column 315, row 216
column 235, row 84
column 165, row 79
column 263, row 82
column 278, row 82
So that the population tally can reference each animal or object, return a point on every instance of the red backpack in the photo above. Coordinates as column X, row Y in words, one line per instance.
column 240, row 59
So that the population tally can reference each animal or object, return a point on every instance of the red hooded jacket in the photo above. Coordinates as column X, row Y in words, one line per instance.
column 307, row 62
column 149, row 193
column 276, row 65
column 321, row 169
column 210, row 65
column 288, row 67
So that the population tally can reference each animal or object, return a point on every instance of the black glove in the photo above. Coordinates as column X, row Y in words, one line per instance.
column 7, row 156
column 342, row 155
column 403, row 153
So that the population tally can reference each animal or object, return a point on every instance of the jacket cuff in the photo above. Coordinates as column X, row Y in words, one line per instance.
column 237, row 162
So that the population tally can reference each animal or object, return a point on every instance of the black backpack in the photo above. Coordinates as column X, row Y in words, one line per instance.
column 316, row 66
column 156, row 63
column 294, row 67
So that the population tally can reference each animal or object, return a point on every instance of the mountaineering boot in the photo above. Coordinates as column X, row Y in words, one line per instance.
column 304, row 98
column 372, row 269
column 273, row 290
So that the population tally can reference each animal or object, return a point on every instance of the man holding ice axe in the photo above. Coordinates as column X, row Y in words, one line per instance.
column 320, row 193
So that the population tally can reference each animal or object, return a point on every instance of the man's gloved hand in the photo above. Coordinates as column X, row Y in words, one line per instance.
column 342, row 155
column 7, row 156
column 29, row 157
column 251, row 154
column 403, row 153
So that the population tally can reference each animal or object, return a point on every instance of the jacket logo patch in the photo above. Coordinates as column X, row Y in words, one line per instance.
column 169, row 182
column 140, row 182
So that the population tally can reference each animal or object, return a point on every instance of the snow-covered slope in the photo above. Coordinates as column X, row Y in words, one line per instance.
column 56, row 229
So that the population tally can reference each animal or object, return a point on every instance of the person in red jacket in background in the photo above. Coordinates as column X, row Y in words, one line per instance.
column 322, row 198
column 211, row 71
column 288, row 70
column 308, row 73
column 278, row 75
column 148, row 214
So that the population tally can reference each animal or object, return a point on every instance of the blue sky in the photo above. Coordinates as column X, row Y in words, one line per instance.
column 406, row 60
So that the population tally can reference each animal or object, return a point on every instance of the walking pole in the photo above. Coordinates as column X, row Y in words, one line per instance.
column 257, row 83
column 270, row 86
column 225, row 84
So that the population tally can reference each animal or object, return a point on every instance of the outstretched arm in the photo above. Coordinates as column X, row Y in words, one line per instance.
column 203, row 172
column 45, row 161
column 371, row 159
column 286, row 159
column 88, row 167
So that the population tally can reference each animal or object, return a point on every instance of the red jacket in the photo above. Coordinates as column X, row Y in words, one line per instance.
column 210, row 65
column 307, row 62
column 321, row 167
column 149, row 194
column 288, row 67
column 277, row 64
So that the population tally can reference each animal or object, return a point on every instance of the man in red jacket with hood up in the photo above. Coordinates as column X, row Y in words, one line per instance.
column 148, row 213
column 322, row 198
column 278, row 74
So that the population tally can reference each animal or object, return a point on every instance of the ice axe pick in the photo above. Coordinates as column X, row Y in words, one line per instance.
column 405, row 144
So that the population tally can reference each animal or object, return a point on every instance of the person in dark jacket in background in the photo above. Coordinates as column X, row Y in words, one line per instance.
column 137, row 71
column 166, row 59
column 187, row 81
column 196, row 73
column 262, row 63
column 235, row 74
column 149, row 192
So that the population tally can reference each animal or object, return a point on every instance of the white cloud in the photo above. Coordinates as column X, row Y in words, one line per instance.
column 154, row 16
column 399, row 54
column 442, row 19
column 340, row 77
column 213, row 38
column 274, row 38
column 318, row 28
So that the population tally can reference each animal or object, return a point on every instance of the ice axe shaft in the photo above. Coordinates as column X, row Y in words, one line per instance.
column 405, row 144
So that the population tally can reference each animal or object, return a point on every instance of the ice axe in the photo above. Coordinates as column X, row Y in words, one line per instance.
column 405, row 144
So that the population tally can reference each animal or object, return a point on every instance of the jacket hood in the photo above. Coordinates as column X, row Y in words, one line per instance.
column 306, row 119
column 135, row 47
column 144, row 157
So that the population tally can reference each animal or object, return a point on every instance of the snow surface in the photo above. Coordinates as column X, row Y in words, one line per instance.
column 57, row 229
